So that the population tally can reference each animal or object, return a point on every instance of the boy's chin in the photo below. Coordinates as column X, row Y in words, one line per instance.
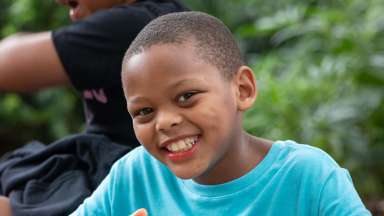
column 185, row 174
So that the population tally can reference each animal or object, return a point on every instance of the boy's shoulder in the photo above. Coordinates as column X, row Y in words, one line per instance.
column 305, row 166
column 303, row 157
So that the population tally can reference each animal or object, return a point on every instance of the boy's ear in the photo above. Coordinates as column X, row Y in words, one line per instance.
column 246, row 89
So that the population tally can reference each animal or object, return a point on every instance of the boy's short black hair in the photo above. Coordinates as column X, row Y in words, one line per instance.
column 213, row 41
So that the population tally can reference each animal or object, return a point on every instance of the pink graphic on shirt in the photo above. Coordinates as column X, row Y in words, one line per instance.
column 87, row 94
column 99, row 95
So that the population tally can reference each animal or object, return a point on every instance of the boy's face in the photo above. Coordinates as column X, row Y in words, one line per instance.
column 82, row 8
column 184, row 112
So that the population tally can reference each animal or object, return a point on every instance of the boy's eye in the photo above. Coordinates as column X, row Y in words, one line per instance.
column 145, row 111
column 185, row 96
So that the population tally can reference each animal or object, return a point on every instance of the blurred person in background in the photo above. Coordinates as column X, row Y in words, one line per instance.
column 53, row 179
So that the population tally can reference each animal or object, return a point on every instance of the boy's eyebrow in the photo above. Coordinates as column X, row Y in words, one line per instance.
column 183, row 82
column 135, row 100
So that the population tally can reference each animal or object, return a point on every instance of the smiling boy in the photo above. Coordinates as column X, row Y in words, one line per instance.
column 186, row 88
column 191, row 115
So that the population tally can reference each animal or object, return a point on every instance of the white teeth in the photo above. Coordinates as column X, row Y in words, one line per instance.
column 182, row 145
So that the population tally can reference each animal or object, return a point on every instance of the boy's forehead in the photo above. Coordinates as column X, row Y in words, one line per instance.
column 169, row 63
column 170, row 56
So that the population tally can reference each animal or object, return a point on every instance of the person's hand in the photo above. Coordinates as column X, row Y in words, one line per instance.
column 140, row 212
column 5, row 206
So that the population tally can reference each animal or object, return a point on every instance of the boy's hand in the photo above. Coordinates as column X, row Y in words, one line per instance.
column 140, row 212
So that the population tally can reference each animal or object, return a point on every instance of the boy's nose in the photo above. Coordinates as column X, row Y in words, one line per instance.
column 167, row 120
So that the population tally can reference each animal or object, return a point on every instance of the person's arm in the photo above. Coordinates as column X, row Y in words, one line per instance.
column 5, row 207
column 29, row 62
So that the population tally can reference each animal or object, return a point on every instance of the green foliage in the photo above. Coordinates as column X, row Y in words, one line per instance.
column 319, row 66
column 44, row 116
column 30, row 16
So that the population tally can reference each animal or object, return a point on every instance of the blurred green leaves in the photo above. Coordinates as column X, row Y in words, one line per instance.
column 30, row 16
column 320, row 70
column 44, row 116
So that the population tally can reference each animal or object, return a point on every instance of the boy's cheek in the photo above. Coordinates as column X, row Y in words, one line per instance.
column 143, row 134
column 214, row 116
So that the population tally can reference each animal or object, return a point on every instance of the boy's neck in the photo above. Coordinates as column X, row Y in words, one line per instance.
column 250, row 152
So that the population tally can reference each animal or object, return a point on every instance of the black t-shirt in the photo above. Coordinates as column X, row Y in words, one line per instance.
column 91, row 51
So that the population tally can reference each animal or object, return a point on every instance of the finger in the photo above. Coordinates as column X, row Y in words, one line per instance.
column 140, row 212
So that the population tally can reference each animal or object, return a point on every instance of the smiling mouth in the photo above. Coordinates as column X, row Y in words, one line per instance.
column 182, row 145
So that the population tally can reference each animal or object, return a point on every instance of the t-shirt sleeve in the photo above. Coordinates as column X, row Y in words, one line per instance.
column 338, row 196
column 91, row 50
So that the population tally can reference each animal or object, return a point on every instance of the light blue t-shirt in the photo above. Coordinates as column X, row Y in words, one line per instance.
column 293, row 179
